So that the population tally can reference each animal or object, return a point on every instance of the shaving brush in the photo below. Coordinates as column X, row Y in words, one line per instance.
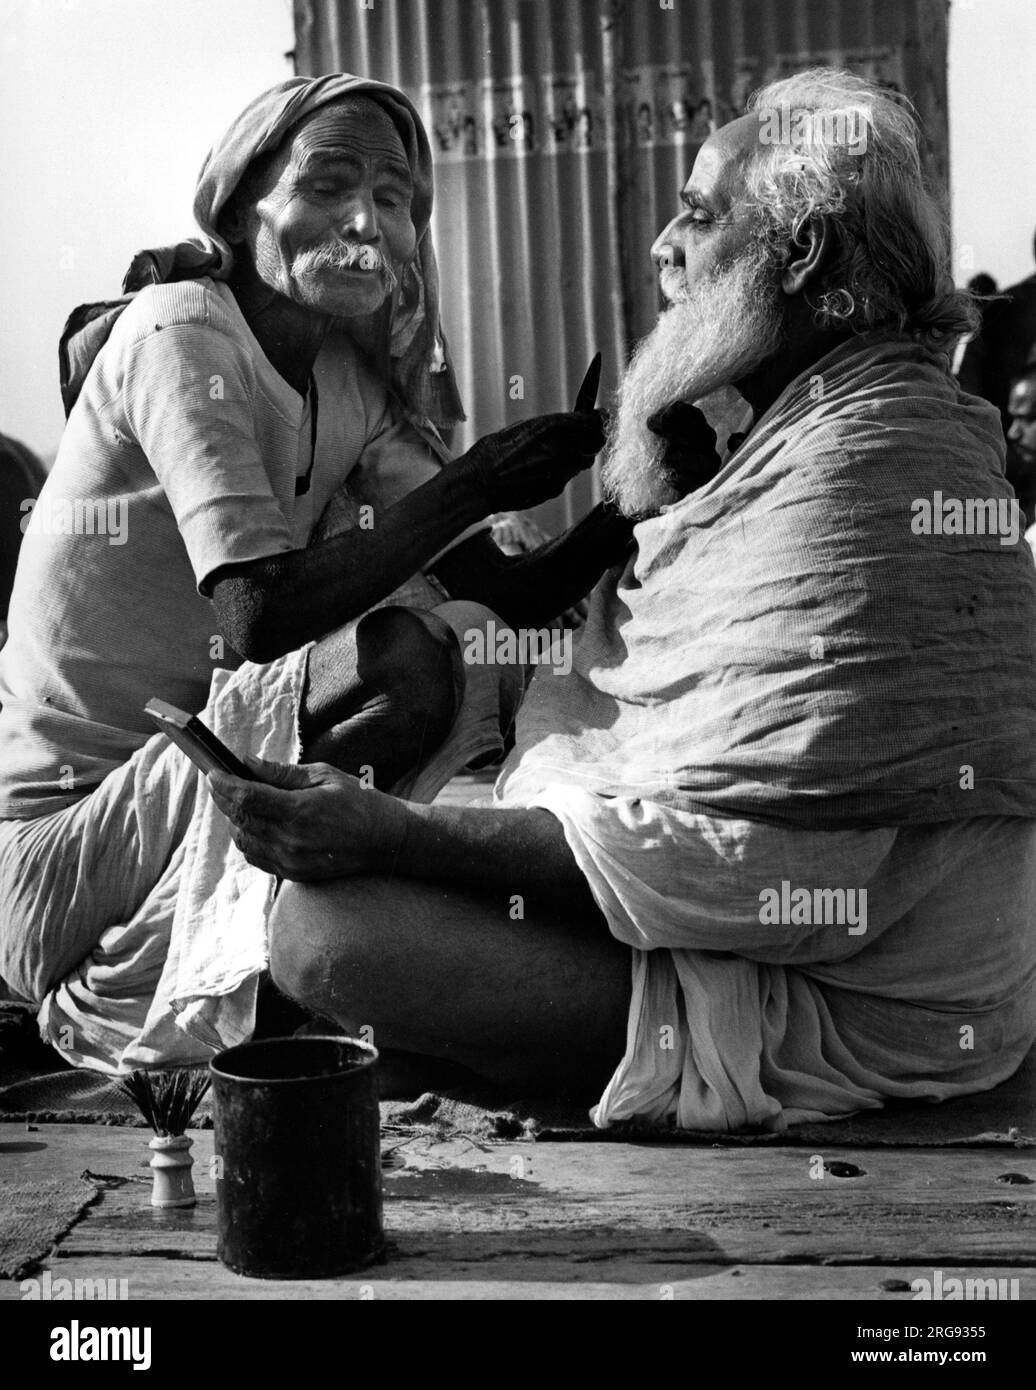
column 168, row 1100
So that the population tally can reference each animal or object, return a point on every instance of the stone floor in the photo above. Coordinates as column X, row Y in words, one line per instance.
column 521, row 1220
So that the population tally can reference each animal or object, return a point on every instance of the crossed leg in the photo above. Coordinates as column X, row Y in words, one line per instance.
column 443, row 974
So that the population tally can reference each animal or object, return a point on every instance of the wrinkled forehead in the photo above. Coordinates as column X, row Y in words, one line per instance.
column 354, row 128
column 721, row 168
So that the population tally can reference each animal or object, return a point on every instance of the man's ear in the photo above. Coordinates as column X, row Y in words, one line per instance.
column 808, row 254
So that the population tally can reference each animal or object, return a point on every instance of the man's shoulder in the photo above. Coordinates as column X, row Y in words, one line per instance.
column 884, row 394
column 184, row 303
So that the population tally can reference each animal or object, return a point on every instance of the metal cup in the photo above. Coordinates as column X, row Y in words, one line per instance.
column 297, row 1130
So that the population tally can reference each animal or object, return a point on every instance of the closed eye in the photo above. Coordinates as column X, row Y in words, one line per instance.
column 323, row 188
column 393, row 194
column 697, row 213
column 701, row 221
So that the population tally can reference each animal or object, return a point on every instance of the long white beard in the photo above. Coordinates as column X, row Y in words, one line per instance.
column 707, row 339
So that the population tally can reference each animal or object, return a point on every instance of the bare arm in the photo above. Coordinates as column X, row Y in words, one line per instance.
column 270, row 606
column 529, row 590
column 508, row 852
column 312, row 822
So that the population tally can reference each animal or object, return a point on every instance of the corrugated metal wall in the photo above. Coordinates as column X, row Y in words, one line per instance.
column 562, row 131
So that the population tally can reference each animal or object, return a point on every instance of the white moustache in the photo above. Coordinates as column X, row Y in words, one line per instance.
column 673, row 286
column 346, row 255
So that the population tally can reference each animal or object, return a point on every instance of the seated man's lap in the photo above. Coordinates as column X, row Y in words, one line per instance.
column 87, row 895
column 67, row 877
column 545, row 999
column 71, row 879
column 538, row 999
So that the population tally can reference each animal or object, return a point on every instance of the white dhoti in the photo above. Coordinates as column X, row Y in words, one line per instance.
column 132, row 917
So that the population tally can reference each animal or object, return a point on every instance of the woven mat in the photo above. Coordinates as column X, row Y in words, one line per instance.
column 34, row 1215
column 1005, row 1116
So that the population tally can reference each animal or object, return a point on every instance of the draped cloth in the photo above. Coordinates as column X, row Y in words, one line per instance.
column 786, row 644
column 422, row 371
column 792, row 686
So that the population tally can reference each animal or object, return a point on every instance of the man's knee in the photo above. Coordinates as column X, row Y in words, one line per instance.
column 295, row 954
column 320, row 954
column 32, row 964
column 27, row 981
column 475, row 623
column 414, row 660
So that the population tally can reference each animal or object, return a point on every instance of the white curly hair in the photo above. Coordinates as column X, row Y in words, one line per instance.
column 855, row 160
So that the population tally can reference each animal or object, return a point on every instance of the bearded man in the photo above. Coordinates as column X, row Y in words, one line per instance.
column 229, row 584
column 791, row 778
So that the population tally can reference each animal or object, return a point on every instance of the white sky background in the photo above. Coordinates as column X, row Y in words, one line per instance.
column 107, row 108
column 992, row 76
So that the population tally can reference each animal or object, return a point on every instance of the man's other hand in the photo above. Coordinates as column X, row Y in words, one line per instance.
column 311, row 821
column 690, row 459
column 532, row 461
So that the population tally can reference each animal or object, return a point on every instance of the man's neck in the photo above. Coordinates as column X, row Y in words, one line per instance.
column 803, row 345
column 289, row 334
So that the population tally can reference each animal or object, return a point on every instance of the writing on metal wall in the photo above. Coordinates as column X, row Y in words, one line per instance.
column 662, row 104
